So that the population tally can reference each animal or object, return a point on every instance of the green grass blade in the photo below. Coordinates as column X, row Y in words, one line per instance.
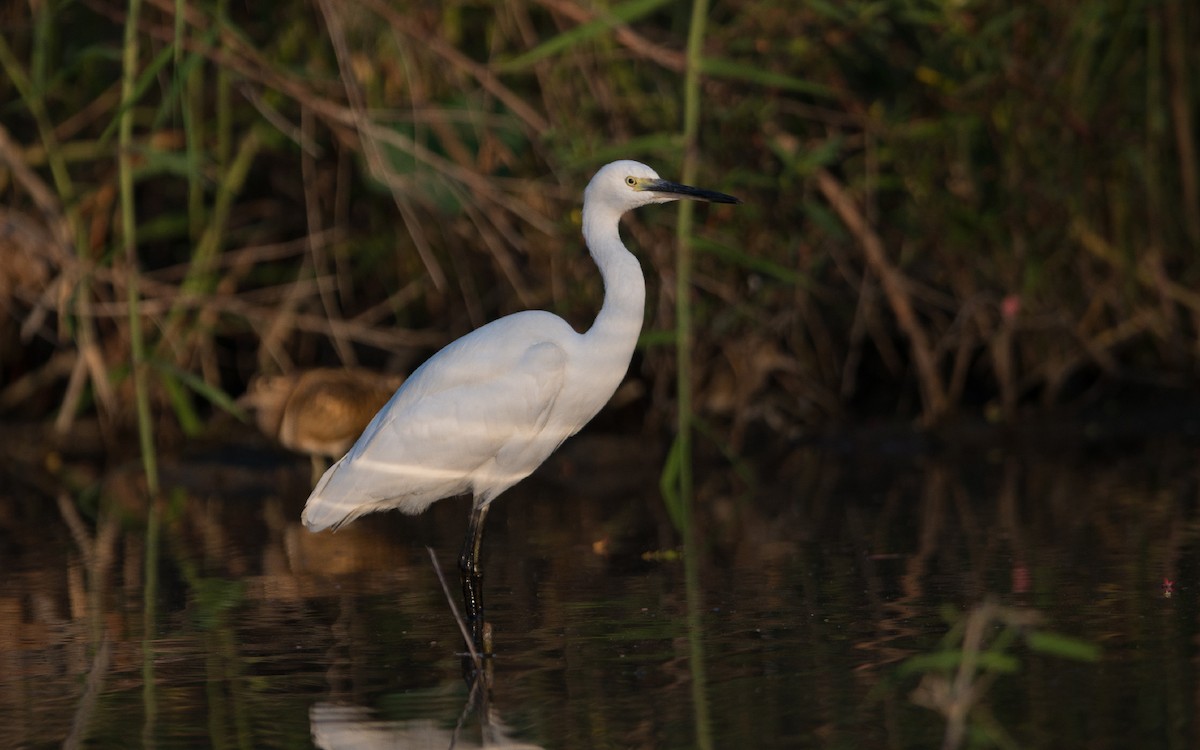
column 624, row 13
column 138, row 88
column 212, row 394
column 662, row 145
column 1063, row 646
column 717, row 67
column 181, row 405
column 129, row 242
column 749, row 262
column 668, row 484
column 947, row 661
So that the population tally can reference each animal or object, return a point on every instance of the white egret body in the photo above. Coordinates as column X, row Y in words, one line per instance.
column 485, row 411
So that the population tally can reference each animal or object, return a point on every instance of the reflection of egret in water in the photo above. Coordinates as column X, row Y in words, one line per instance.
column 484, row 412
column 342, row 727
column 319, row 412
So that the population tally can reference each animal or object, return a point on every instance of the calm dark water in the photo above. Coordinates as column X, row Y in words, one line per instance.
column 215, row 620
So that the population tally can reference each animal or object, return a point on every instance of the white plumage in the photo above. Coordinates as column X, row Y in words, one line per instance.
column 485, row 411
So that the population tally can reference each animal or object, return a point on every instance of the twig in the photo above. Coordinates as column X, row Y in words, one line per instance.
column 47, row 202
column 371, row 150
column 252, row 255
column 462, row 625
column 627, row 37
column 249, row 63
column 75, row 525
column 895, row 286
column 85, row 709
column 25, row 386
column 486, row 78
column 1091, row 241
column 159, row 296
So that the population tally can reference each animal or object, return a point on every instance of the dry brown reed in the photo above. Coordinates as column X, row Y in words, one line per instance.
column 979, row 209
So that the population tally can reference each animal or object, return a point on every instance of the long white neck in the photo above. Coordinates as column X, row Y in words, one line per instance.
column 613, row 336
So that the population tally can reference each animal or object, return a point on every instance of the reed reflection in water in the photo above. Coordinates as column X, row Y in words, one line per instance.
column 816, row 585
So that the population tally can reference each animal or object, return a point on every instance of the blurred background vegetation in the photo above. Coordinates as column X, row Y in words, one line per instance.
column 951, row 207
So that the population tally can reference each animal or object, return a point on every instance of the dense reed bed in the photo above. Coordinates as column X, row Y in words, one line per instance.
column 970, row 207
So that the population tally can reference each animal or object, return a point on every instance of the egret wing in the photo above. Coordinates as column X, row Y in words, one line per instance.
column 480, row 435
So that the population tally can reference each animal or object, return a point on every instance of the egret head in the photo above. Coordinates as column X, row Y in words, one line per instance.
column 624, row 185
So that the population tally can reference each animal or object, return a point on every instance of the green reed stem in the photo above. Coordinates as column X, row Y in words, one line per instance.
column 149, row 618
column 683, row 360
column 190, row 107
column 224, row 103
column 1181, row 99
column 683, row 266
column 201, row 275
column 129, row 241
column 31, row 95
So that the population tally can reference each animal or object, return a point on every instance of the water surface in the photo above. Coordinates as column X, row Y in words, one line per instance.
column 215, row 620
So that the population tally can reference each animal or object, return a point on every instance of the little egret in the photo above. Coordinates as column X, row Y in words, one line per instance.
column 485, row 411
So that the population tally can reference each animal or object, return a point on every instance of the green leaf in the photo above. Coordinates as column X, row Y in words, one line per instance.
column 668, row 484
column 996, row 661
column 144, row 81
column 662, row 145
column 652, row 338
column 948, row 661
column 747, row 261
column 213, row 599
column 625, row 13
column 721, row 68
column 823, row 218
column 174, row 92
column 832, row 11
column 938, row 661
column 189, row 420
column 822, row 156
column 214, row 395
column 1063, row 646
column 156, row 162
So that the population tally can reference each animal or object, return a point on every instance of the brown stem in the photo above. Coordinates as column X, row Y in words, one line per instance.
column 896, row 288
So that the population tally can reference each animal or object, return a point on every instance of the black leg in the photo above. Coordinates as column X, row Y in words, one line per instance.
column 472, row 578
